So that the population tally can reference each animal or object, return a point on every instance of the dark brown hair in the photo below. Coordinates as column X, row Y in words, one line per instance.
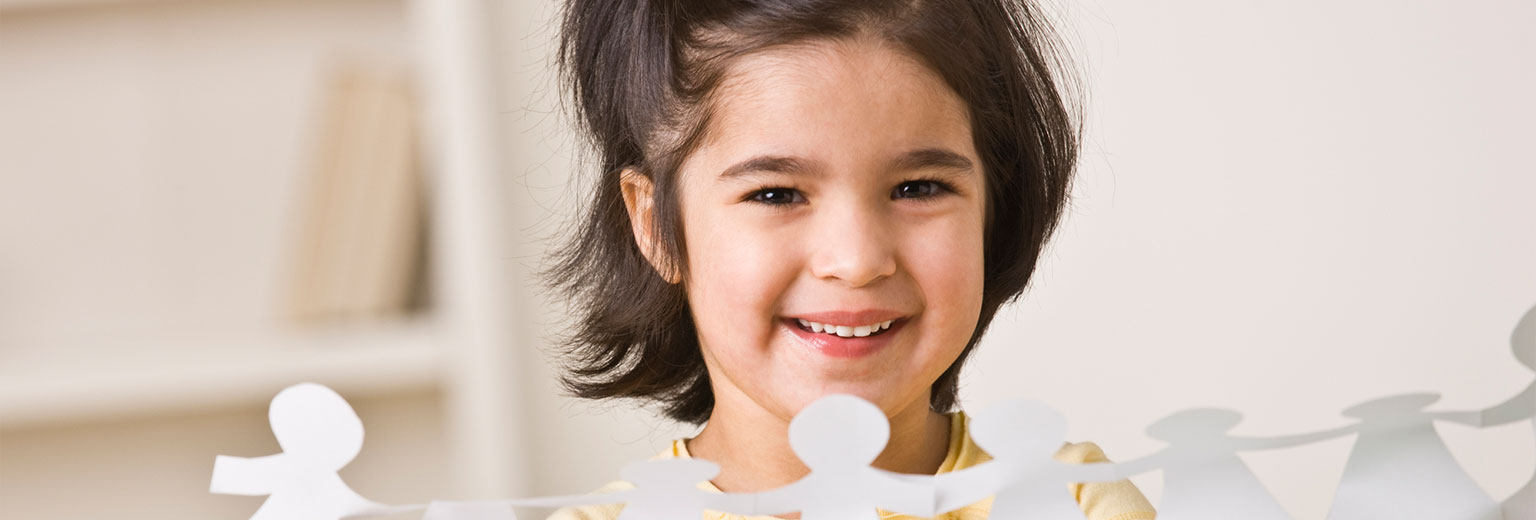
column 641, row 74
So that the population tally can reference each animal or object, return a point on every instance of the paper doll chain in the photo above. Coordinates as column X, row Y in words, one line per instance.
column 1398, row 467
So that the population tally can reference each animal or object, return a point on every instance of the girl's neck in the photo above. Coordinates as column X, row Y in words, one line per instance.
column 751, row 445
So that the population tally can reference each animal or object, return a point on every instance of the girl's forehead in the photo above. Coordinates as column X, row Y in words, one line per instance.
column 858, row 97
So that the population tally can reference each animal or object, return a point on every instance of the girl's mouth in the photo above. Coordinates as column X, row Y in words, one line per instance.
column 845, row 331
column 844, row 341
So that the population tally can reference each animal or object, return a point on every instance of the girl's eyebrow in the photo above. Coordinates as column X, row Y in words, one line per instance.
column 771, row 163
column 920, row 159
column 933, row 158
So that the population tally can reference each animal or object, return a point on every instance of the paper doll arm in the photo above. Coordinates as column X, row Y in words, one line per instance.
column 734, row 503
column 786, row 499
column 958, row 489
column 904, row 495
column 382, row 510
column 1151, row 462
column 613, row 497
column 1472, row 418
column 1518, row 408
column 243, row 476
column 1270, row 443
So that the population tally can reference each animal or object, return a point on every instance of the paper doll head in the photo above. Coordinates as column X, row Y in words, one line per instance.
column 312, row 422
column 1198, row 423
column 1019, row 429
column 669, row 473
column 1523, row 341
column 839, row 431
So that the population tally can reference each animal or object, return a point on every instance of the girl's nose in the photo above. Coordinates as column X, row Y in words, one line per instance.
column 857, row 247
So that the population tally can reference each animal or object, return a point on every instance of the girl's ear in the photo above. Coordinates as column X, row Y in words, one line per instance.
column 639, row 200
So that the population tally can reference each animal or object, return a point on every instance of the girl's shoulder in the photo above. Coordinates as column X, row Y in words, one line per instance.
column 597, row 512
column 1119, row 500
column 678, row 449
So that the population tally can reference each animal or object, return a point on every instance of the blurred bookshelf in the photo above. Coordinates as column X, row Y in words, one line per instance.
column 235, row 226
column 374, row 359
column 19, row 5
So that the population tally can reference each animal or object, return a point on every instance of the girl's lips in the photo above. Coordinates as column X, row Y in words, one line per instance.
column 841, row 347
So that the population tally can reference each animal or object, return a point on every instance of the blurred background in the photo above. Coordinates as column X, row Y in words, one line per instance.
column 1283, row 208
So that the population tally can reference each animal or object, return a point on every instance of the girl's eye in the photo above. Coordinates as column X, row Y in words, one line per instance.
column 918, row 190
column 776, row 196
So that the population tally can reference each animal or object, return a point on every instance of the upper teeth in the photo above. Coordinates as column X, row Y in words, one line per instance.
column 846, row 330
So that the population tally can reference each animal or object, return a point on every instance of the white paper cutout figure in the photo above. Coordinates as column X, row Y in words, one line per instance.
column 669, row 490
column 838, row 437
column 1522, row 504
column 1400, row 468
column 666, row 489
column 486, row 510
column 1203, row 478
column 1027, row 482
column 319, row 434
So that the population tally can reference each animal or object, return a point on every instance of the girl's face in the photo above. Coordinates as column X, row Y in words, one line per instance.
column 838, row 187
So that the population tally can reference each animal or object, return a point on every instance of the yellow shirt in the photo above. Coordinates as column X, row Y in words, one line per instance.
column 1119, row 500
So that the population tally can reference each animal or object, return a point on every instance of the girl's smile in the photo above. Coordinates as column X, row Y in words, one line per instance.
column 846, row 334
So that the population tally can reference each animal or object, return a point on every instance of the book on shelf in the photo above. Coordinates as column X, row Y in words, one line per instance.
column 359, row 242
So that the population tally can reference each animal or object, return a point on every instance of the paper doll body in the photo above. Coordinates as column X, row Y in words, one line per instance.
column 487, row 510
column 837, row 437
column 664, row 490
column 1209, row 486
column 294, row 492
column 846, row 496
column 1203, row 477
column 1023, row 477
column 319, row 434
column 1040, row 495
column 668, row 490
column 1521, row 407
column 1522, row 504
column 1037, row 491
column 1400, row 468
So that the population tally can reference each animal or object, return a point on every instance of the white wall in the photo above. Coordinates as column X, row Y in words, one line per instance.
column 1287, row 208
column 1284, row 208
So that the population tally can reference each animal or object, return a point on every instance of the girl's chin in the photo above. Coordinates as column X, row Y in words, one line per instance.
column 889, row 395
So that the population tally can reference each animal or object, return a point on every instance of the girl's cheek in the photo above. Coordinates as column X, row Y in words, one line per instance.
column 952, row 241
column 946, row 258
column 741, row 268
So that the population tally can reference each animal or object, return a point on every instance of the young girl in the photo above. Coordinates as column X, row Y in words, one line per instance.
column 805, row 197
